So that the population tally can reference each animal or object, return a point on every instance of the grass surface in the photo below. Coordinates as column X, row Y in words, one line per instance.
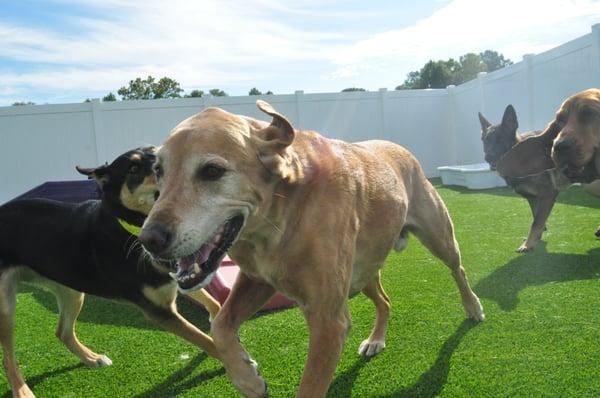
column 541, row 336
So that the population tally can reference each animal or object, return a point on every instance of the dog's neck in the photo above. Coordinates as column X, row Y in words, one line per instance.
column 118, row 211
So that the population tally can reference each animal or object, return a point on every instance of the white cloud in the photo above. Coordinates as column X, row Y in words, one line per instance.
column 242, row 44
column 513, row 27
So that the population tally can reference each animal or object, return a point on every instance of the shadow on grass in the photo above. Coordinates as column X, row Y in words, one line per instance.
column 430, row 384
column 533, row 269
column 175, row 383
column 32, row 381
column 100, row 311
column 573, row 196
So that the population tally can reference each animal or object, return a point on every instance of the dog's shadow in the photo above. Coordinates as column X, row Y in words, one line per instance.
column 533, row 269
column 430, row 384
column 100, row 311
column 32, row 381
column 176, row 383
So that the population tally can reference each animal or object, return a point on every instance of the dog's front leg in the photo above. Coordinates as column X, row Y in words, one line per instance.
column 246, row 297
column 543, row 208
column 328, row 326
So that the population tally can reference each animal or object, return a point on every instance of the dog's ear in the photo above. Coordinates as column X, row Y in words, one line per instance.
column 484, row 122
column 530, row 156
column 273, row 141
column 509, row 119
column 100, row 174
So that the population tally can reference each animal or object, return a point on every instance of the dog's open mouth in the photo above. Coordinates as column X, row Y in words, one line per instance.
column 196, row 270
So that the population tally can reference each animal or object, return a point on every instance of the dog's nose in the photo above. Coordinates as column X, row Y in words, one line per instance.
column 564, row 145
column 156, row 238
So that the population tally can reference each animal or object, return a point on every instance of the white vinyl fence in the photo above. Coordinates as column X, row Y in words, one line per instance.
column 44, row 142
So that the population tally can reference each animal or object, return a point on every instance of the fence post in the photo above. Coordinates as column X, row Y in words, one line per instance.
column 383, row 97
column 596, row 53
column 454, row 158
column 529, row 89
column 97, row 133
column 299, row 103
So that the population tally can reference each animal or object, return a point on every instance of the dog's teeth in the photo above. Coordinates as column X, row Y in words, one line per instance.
column 173, row 274
column 193, row 275
column 218, row 237
column 196, row 268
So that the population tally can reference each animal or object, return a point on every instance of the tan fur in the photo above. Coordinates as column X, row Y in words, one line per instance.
column 142, row 198
column 568, row 124
column 320, row 218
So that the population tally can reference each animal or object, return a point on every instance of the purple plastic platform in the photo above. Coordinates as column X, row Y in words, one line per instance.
column 65, row 191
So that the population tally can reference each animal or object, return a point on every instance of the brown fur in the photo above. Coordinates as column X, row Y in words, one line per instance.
column 320, row 218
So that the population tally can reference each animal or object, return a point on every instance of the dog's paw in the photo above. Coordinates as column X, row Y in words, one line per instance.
column 370, row 348
column 251, row 385
column 99, row 361
column 23, row 392
column 524, row 248
column 474, row 309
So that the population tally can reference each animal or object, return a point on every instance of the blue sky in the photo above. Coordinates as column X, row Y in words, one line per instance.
column 68, row 50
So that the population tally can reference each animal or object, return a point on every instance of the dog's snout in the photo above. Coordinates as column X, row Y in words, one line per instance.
column 156, row 238
column 564, row 145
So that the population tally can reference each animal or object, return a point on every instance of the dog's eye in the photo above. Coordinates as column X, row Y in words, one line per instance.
column 134, row 169
column 158, row 171
column 586, row 115
column 211, row 172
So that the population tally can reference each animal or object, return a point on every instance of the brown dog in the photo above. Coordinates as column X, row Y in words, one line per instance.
column 301, row 214
column 576, row 129
column 564, row 153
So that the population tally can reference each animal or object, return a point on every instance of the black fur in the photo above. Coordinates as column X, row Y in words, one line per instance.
column 82, row 245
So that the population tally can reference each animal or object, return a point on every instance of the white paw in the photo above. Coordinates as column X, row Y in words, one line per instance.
column 253, row 385
column 99, row 362
column 475, row 310
column 369, row 348
column 103, row 361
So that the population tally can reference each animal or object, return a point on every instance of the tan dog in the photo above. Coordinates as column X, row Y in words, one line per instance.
column 307, row 216
column 577, row 131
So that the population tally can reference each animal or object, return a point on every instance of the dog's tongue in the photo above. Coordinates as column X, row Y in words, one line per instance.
column 199, row 257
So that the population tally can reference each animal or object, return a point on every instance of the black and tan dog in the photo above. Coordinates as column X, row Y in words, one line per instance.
column 91, row 248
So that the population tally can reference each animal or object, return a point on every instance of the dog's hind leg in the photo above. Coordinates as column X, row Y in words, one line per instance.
column 8, row 292
column 69, row 306
column 432, row 225
column 376, row 341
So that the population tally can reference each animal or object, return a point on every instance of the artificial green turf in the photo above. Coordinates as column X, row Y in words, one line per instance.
column 541, row 336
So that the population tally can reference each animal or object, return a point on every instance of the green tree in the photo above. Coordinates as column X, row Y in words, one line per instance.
column 109, row 97
column 269, row 92
column 440, row 74
column 195, row 94
column 22, row 103
column 351, row 89
column 435, row 74
column 470, row 65
column 149, row 88
column 215, row 92
column 493, row 60
column 254, row 91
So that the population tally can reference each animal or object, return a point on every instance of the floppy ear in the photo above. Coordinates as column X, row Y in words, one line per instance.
column 274, row 140
column 484, row 122
column 100, row 174
column 530, row 156
column 509, row 119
